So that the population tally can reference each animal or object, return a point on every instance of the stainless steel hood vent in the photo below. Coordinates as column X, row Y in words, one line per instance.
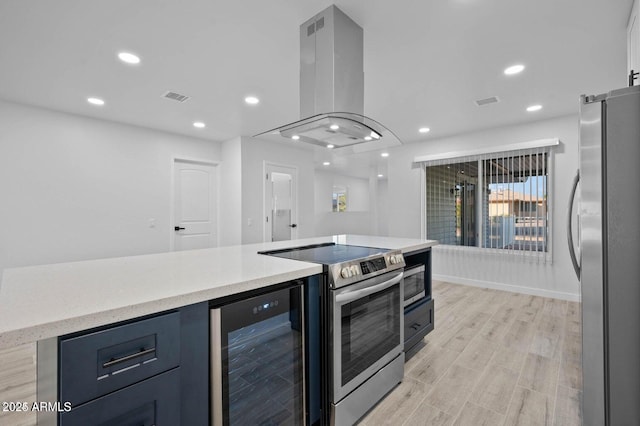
column 332, row 88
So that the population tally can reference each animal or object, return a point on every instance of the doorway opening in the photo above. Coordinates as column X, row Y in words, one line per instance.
column 280, row 202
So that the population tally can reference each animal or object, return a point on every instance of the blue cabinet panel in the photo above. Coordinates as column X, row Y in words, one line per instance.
column 194, row 364
column 418, row 322
column 153, row 371
column 95, row 364
column 151, row 402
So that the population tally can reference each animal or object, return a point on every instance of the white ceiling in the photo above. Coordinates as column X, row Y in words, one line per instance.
column 425, row 61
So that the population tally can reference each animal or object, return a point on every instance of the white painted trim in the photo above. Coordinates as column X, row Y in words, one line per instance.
column 540, row 143
column 633, row 18
column 192, row 160
column 572, row 297
column 172, row 192
column 633, row 14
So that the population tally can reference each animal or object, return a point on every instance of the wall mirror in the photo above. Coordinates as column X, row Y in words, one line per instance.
column 339, row 198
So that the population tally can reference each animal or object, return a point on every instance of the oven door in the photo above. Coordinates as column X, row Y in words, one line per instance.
column 367, row 330
column 414, row 289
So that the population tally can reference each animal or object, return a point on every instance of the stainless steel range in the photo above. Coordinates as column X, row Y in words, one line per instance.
column 363, row 339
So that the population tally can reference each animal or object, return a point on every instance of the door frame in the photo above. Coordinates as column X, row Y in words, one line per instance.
column 633, row 55
column 172, row 191
column 266, row 212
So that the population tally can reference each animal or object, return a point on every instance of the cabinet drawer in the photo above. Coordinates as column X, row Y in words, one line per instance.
column 154, row 401
column 97, row 363
column 418, row 322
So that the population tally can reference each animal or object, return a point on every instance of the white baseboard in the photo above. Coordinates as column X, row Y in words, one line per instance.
column 508, row 287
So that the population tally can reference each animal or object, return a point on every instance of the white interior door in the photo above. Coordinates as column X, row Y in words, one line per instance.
column 194, row 207
column 280, row 201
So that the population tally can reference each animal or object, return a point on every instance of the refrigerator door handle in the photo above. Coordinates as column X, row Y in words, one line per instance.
column 572, row 251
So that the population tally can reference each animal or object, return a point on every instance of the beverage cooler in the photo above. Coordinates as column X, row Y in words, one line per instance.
column 260, row 359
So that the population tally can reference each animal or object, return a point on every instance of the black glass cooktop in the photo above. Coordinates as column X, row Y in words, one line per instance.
column 326, row 254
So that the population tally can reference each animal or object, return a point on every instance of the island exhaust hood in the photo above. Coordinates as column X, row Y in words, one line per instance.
column 332, row 88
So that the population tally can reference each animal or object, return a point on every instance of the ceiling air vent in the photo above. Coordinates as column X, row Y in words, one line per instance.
column 176, row 96
column 487, row 101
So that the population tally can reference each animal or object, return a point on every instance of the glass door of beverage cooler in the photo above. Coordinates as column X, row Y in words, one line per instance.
column 257, row 360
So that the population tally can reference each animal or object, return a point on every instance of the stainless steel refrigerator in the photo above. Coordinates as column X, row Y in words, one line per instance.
column 607, row 259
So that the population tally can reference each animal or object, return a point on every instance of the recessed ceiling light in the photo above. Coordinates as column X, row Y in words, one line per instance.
column 199, row 124
column 514, row 69
column 375, row 135
column 326, row 163
column 330, row 146
column 95, row 101
column 129, row 58
column 384, row 154
column 424, row 130
column 251, row 100
column 534, row 108
column 367, row 138
column 380, row 175
column 295, row 137
column 334, row 127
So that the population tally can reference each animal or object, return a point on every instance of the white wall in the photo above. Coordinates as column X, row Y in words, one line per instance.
column 254, row 153
column 382, row 208
column 358, row 199
column 357, row 218
column 231, row 193
column 75, row 188
column 473, row 267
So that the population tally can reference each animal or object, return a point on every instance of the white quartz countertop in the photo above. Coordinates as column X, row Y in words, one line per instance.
column 40, row 302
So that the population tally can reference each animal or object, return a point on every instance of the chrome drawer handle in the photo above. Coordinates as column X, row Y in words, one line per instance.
column 142, row 352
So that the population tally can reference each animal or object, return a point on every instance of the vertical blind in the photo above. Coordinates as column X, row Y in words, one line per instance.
column 496, row 201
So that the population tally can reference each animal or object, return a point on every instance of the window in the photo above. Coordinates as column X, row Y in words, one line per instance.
column 493, row 201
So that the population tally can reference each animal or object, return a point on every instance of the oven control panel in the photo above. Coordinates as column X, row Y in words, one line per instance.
column 373, row 265
column 359, row 269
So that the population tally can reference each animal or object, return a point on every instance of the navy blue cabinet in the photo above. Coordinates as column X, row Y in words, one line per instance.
column 419, row 306
column 418, row 322
column 94, row 364
column 151, row 371
column 147, row 403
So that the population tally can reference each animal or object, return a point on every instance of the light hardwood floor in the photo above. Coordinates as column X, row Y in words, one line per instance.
column 494, row 358
column 18, row 383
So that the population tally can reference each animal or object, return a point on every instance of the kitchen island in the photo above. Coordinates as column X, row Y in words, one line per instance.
column 42, row 302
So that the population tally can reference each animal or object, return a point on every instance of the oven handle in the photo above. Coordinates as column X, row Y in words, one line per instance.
column 413, row 270
column 350, row 296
